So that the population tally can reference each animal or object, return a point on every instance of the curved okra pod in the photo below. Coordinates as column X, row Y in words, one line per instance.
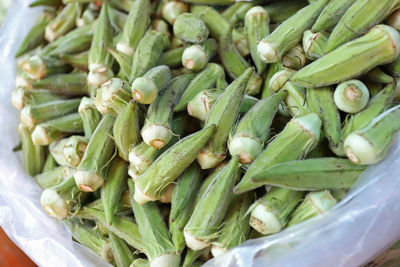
column 112, row 96
column 190, row 28
column 136, row 26
column 311, row 174
column 90, row 116
column 21, row 97
column 377, row 75
column 370, row 145
column 351, row 96
column 145, row 89
column 269, row 73
column 172, row 58
column 252, row 131
column 300, row 136
column 295, row 58
column 90, row 173
column 295, row 100
column 69, row 151
column 289, row 33
column 170, row 165
column 195, row 57
column 33, row 156
column 65, row 84
column 79, row 61
column 156, row 131
column 223, row 114
column 40, row 67
column 270, row 214
column 279, row 11
column 122, row 254
column 332, row 14
column 63, row 23
column 314, row 44
column 381, row 45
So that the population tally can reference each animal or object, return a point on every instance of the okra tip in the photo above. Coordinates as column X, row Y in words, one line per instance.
column 166, row 260
column 359, row 150
column 156, row 135
column 140, row 197
column 40, row 136
column 264, row 220
column 54, row 204
column 144, row 90
column 88, row 181
column 246, row 148
column 193, row 242
column 194, row 58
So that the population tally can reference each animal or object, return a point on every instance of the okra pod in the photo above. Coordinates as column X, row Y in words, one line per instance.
column 172, row 9
column 40, row 67
column 63, row 23
column 79, row 61
column 190, row 28
column 117, row 19
column 53, row 177
column 124, row 61
column 279, row 11
column 123, row 256
column 237, row 11
column 22, row 97
column 55, row 3
column 295, row 100
column 192, row 255
column 200, row 106
column 195, row 57
column 90, row 116
column 394, row 20
column 33, row 155
column 295, row 58
column 279, row 79
column 88, row 16
column 49, row 163
column 314, row 44
column 351, row 96
column 69, row 151
column 172, row 58
column 112, row 96
column 332, row 14
column 377, row 75
column 269, row 73
column 70, row 84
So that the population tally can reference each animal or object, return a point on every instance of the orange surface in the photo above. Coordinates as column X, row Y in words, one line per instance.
column 11, row 255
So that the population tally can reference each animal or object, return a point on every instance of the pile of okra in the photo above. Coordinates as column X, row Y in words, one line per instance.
column 164, row 133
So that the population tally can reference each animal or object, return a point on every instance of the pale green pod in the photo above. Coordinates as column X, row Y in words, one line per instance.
column 314, row 44
column 200, row 106
column 70, row 84
column 53, row 177
column 38, row 67
column 190, row 28
column 377, row 75
column 123, row 256
column 172, row 9
column 279, row 79
column 86, row 17
column 295, row 58
column 351, row 96
column 195, row 57
column 78, row 61
column 90, row 116
column 332, row 14
column 22, row 97
column 112, row 96
column 49, row 163
column 295, row 100
column 237, row 11
column 173, row 57
column 69, row 151
column 118, row 19
column 33, row 156
column 63, row 23
column 269, row 73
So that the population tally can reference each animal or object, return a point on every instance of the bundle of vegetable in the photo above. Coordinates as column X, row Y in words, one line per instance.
column 125, row 105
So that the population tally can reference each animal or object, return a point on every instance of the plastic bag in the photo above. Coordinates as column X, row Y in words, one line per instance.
column 360, row 227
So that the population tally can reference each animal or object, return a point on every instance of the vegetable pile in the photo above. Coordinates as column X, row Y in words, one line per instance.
column 164, row 133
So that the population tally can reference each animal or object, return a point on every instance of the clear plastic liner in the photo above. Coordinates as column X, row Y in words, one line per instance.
column 357, row 230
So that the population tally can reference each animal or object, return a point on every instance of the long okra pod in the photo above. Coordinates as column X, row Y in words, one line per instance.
column 32, row 155
column 65, row 84
column 40, row 67
column 22, row 97
column 331, row 14
column 90, row 116
column 64, row 22
column 123, row 256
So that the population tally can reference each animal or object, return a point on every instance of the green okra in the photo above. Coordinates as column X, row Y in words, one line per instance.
column 210, row 76
column 53, row 177
column 209, row 211
column 100, row 61
column 172, row 58
column 126, row 130
column 380, row 45
column 223, row 114
column 190, row 28
column 90, row 173
column 69, row 151
column 279, row 11
column 192, row 255
column 159, row 248
column 289, row 33
column 295, row 58
column 124, row 62
column 113, row 187
column 270, row 214
column 148, row 53
column 123, row 256
column 270, row 72
column 338, row 194
column 394, row 67
column 172, row 9
column 63, row 23
column 33, row 156
column 55, row 3
column 321, row 102
column 295, row 100
column 252, row 131
column 136, row 26
column 117, row 19
column 40, row 67
column 279, row 79
column 88, row 16
column 195, row 57
column 79, row 61
column 90, row 116
column 299, row 137
column 49, row 164
column 156, row 131
column 332, row 14
column 370, row 145
column 65, row 84
column 183, row 153
column 235, row 227
column 145, row 89
column 314, row 204
column 351, row 96
column 22, row 97
column 311, row 174
column 49, row 131
column 182, row 203
column 33, row 115
column 237, row 11
column 314, row 44
column 112, row 96
column 160, row 25
column 257, row 27
column 200, row 106
column 374, row 88
column 377, row 75
column 360, row 16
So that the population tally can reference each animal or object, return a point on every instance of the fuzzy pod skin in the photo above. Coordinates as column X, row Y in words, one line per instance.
column 170, row 165
column 311, row 174
column 209, row 77
column 190, row 28
column 172, row 9
column 211, row 208
column 124, row 61
column 289, row 33
column 223, row 114
column 279, row 79
column 314, row 204
column 354, row 22
column 40, row 67
column 71, row 84
column 90, row 174
column 33, row 156
column 172, row 58
column 22, row 97
column 379, row 46
column 159, row 248
column 200, row 106
column 117, row 19
column 279, row 11
column 295, row 100
column 156, row 131
column 252, row 131
column 351, row 96
column 237, row 11
column 377, row 75
column 49, row 163
column 90, row 116
column 63, row 23
column 299, row 137
column 88, row 16
column 69, row 151
column 314, row 44
column 145, row 89
column 50, row 131
column 192, row 255
column 79, row 61
column 122, row 254
column 270, row 214
column 112, row 96
column 332, row 14
column 370, row 145
column 269, row 73
column 195, row 57
column 295, row 58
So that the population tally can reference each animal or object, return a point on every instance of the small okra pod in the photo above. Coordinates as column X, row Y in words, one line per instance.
column 117, row 19
column 112, row 96
column 33, row 156
column 172, row 9
column 256, row 23
column 314, row 204
column 270, row 214
column 63, row 23
column 295, row 58
column 100, row 61
column 314, row 44
column 135, row 27
column 156, row 131
column 394, row 20
column 22, row 97
column 40, row 67
column 49, row 131
column 279, row 11
column 49, row 163
column 79, row 61
column 209, row 211
column 252, row 131
column 223, row 114
column 332, row 14
column 123, row 256
column 90, row 116
column 200, row 106
column 279, row 79
column 124, row 61
column 377, row 75
column 360, row 16
column 289, row 33
column 190, row 28
column 53, row 177
column 235, row 227
column 150, row 185
column 370, row 145
column 69, row 151
column 113, row 187
column 299, row 137
column 269, row 73
column 126, row 130
column 88, row 16
column 381, row 45
column 351, row 96
column 148, row 53
column 145, row 89
column 311, row 174
column 209, row 77
column 161, row 26
column 70, row 84
column 237, row 11
column 172, row 58
column 90, row 173
column 295, row 100
column 33, row 115
column 195, row 57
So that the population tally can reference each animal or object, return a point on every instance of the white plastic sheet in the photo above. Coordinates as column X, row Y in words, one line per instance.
column 363, row 225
